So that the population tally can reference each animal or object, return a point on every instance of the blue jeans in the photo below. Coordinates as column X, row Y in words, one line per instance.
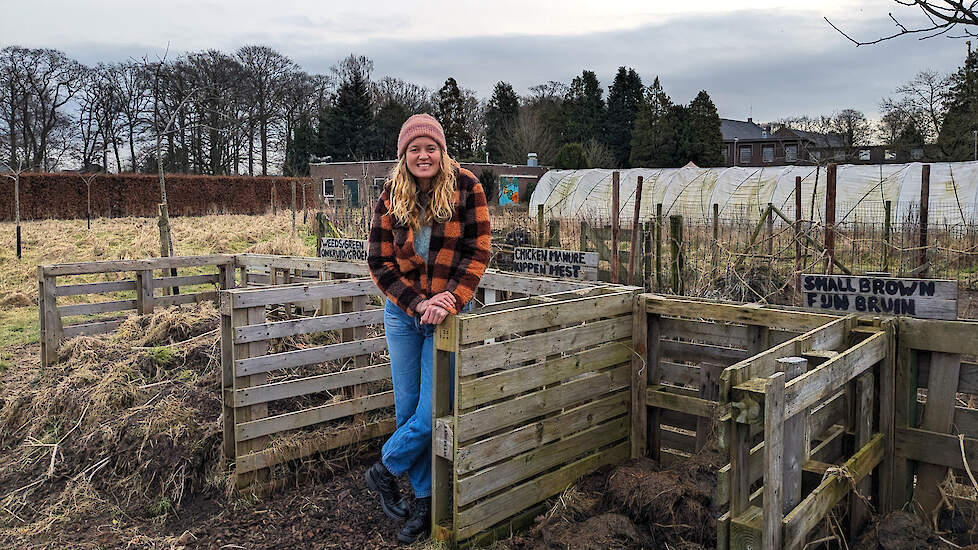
column 411, row 348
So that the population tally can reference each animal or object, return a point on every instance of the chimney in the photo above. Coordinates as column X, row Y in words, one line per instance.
column 531, row 159
column 750, row 120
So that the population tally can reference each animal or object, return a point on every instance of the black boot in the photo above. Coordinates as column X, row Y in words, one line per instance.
column 382, row 482
column 419, row 524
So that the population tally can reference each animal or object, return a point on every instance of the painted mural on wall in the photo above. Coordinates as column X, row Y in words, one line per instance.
column 509, row 191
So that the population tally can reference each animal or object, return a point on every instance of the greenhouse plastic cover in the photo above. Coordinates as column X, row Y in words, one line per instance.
column 861, row 191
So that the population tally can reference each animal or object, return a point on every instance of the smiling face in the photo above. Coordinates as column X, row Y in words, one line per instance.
column 423, row 159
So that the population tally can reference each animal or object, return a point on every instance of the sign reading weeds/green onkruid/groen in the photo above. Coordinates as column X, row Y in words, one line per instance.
column 344, row 250
column 872, row 295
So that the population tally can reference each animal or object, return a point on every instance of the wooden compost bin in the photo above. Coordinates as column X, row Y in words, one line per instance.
column 541, row 394
column 936, row 430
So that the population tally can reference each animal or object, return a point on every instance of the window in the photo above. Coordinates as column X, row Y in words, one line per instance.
column 745, row 154
column 916, row 153
column 791, row 152
column 351, row 190
column 328, row 187
column 864, row 154
column 767, row 152
column 889, row 154
column 379, row 183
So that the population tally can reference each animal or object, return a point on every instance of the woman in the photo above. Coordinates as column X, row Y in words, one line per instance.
column 428, row 248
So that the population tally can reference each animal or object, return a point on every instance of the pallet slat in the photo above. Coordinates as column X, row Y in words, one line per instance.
column 98, row 307
column 310, row 356
column 307, row 417
column 310, row 384
column 95, row 288
column 322, row 323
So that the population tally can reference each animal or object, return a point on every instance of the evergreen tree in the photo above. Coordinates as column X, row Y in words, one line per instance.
column 501, row 115
column 390, row 116
column 704, row 137
column 351, row 133
column 644, row 141
column 571, row 157
column 584, row 109
column 957, row 138
column 624, row 100
column 451, row 114
column 300, row 149
column 670, row 138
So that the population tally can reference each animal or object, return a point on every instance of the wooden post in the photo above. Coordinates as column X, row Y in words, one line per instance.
column 50, row 320
column 583, row 237
column 799, row 266
column 858, row 512
column 17, row 207
column 442, row 481
column 924, row 203
column 710, row 391
column 715, row 263
column 887, row 213
column 553, row 230
column 769, row 234
column 829, row 266
column 615, row 190
column 647, row 255
column 658, row 247
column 541, row 236
column 292, row 187
column 144, row 291
column 676, row 247
column 653, row 373
column 636, row 229
column 795, row 442
column 639, row 386
column 773, row 504
column 320, row 232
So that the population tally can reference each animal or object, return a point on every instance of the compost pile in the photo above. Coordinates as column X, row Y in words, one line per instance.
column 632, row 506
column 127, row 424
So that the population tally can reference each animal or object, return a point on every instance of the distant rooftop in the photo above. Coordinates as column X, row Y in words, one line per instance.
column 739, row 129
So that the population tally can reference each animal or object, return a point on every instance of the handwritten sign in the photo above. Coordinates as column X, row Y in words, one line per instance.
column 346, row 250
column 872, row 295
column 553, row 262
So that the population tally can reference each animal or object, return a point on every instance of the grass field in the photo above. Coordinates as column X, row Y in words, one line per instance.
column 61, row 241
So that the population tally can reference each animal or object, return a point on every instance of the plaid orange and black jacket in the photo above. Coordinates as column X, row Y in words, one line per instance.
column 459, row 250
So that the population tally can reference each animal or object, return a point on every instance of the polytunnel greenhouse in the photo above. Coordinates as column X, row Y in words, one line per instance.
column 861, row 192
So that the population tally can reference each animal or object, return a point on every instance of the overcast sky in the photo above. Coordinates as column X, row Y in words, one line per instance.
column 762, row 58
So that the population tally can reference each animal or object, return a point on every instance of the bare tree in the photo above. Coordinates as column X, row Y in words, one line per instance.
column 939, row 17
column 920, row 102
column 266, row 70
column 14, row 174
column 132, row 81
column 528, row 134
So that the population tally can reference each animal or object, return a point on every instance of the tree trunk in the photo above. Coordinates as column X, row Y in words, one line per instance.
column 264, row 147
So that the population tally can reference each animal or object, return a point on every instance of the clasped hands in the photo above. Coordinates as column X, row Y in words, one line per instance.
column 434, row 310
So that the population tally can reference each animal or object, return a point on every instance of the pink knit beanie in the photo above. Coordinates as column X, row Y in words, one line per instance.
column 417, row 126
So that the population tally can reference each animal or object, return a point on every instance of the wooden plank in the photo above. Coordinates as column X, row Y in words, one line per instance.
column 938, row 417
column 96, row 288
column 828, row 413
column 700, row 353
column 659, row 397
column 308, row 325
column 512, row 352
column 709, row 390
column 706, row 332
column 870, row 295
column 544, row 457
column 750, row 314
column 91, row 328
column 678, row 440
column 929, row 447
column 98, row 307
column 653, row 372
column 253, row 412
column 497, row 508
column 679, row 420
column 482, row 452
column 144, row 292
column 944, row 336
column 314, row 415
column 326, row 442
column 477, row 391
column 532, row 285
column 227, row 384
column 967, row 377
column 774, row 416
column 84, row 268
column 886, row 379
column 817, row 384
column 443, row 380
column 481, row 326
column 816, row 505
column 186, row 280
column 677, row 373
column 301, row 292
column 195, row 298
column 747, row 530
column 526, row 407
column 310, row 384
column 858, row 509
column 310, row 356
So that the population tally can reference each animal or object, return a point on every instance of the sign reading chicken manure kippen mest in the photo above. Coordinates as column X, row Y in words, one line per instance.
column 344, row 250
column 553, row 262
column 872, row 295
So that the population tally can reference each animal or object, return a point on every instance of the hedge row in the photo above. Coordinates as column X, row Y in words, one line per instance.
column 63, row 195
